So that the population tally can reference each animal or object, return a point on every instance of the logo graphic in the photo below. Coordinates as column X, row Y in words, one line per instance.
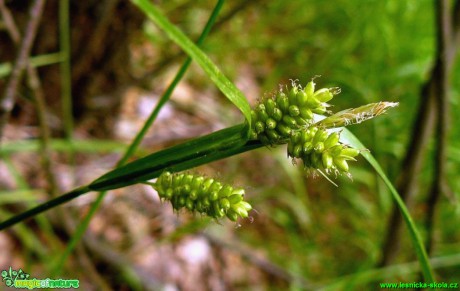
column 19, row 279
column 10, row 276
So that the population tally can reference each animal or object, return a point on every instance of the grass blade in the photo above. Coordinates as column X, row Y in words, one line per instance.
column 349, row 138
column 92, row 146
column 44, row 207
column 227, row 87
column 104, row 181
column 191, row 153
column 36, row 61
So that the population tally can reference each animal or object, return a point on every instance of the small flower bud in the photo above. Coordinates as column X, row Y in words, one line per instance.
column 238, row 191
column 289, row 121
column 245, row 205
column 270, row 123
column 320, row 135
column 331, row 140
column 259, row 127
column 306, row 113
column 308, row 147
column 232, row 215
column 282, row 101
column 313, row 102
column 273, row 135
column 292, row 96
column 269, row 106
column 302, row 98
column 327, row 160
column 241, row 211
column 294, row 110
column 336, row 150
column 319, row 110
column 349, row 152
column 341, row 164
column 262, row 114
column 233, row 199
column 283, row 129
column 277, row 114
column 300, row 121
column 224, row 203
column 310, row 88
column 225, row 191
column 323, row 95
column 297, row 151
column 319, row 147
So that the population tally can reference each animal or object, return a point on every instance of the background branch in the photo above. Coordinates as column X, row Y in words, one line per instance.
column 7, row 99
column 445, row 36
column 423, row 128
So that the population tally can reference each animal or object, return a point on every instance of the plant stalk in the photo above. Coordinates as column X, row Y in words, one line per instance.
column 45, row 206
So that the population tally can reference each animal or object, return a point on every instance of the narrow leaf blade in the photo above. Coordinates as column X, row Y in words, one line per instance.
column 180, row 157
column 349, row 138
column 227, row 87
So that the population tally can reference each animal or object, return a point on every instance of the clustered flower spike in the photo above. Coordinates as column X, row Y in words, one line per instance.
column 203, row 195
column 288, row 117
column 320, row 149
column 275, row 118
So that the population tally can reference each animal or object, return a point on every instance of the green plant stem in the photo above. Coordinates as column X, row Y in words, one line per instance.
column 66, row 80
column 146, row 168
column 36, row 61
column 17, row 176
column 184, row 165
column 29, row 241
column 63, row 145
column 45, row 135
column 81, row 228
column 45, row 206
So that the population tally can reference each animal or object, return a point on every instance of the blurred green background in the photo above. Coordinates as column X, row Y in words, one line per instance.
column 305, row 233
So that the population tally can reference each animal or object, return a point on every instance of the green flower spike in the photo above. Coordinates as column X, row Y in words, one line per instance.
column 275, row 118
column 288, row 117
column 204, row 195
column 321, row 149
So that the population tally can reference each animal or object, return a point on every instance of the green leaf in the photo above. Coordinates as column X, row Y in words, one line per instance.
column 62, row 145
column 227, row 87
column 142, row 171
column 214, row 146
column 37, row 61
column 349, row 138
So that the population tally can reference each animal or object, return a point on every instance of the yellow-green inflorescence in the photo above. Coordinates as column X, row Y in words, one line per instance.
column 288, row 117
column 203, row 195
column 276, row 117
column 320, row 149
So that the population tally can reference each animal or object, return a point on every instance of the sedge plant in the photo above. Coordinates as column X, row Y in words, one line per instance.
column 295, row 115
